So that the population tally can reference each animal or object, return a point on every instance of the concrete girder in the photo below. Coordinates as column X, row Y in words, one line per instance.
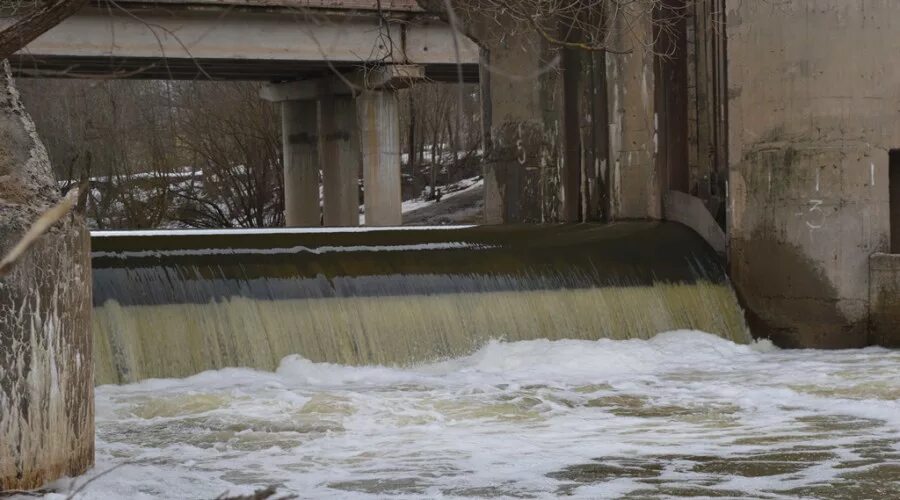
column 391, row 76
column 150, row 39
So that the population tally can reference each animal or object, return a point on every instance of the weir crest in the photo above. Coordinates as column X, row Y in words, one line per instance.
column 172, row 305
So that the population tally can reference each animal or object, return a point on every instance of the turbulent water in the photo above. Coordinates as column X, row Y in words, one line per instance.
column 684, row 413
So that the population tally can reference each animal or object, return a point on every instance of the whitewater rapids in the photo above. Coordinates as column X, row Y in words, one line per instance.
column 684, row 413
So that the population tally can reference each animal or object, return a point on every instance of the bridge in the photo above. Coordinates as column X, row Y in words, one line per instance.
column 270, row 40
column 335, row 66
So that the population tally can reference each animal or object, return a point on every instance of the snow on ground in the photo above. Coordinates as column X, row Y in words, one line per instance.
column 449, row 191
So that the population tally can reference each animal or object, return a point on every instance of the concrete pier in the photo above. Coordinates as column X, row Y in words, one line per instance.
column 811, row 125
column 46, row 364
column 301, row 163
column 339, row 159
column 380, row 146
column 356, row 125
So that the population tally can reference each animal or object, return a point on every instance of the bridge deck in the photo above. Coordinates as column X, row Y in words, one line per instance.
column 273, row 40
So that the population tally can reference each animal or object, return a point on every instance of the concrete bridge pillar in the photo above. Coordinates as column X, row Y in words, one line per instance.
column 358, row 124
column 340, row 160
column 301, row 163
column 379, row 126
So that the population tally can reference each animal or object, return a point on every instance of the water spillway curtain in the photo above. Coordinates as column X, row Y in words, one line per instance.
column 170, row 304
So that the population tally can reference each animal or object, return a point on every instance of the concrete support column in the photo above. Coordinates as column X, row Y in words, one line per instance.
column 301, row 163
column 379, row 129
column 339, row 159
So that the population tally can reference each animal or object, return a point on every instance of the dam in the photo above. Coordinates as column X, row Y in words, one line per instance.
column 173, row 304
column 683, row 280
column 586, row 360
column 464, row 362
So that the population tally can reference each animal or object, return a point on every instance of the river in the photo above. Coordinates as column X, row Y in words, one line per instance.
column 682, row 414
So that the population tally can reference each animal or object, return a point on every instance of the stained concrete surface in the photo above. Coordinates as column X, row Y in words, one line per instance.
column 46, row 370
column 884, row 294
column 812, row 116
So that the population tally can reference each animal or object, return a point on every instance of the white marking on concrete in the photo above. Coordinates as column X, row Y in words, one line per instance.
column 872, row 174
column 816, row 207
column 818, row 175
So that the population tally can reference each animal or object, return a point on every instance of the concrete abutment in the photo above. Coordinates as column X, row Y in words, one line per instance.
column 811, row 120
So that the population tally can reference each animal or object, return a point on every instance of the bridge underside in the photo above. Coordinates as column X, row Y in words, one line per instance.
column 156, row 68
column 226, row 42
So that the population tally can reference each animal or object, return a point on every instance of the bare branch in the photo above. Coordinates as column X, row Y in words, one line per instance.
column 39, row 227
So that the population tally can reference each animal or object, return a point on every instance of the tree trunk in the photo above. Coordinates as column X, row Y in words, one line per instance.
column 19, row 31
column 46, row 369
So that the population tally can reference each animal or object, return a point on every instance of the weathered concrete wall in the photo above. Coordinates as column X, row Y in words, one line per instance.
column 812, row 115
column 707, row 92
column 529, row 165
column 884, row 296
column 635, row 191
column 46, row 370
column 524, row 93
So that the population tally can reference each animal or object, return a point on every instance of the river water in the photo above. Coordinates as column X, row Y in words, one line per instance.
column 682, row 414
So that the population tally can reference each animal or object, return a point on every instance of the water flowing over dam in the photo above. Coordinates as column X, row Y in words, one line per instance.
column 177, row 303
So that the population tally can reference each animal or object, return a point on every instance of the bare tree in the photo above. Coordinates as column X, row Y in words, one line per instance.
column 230, row 134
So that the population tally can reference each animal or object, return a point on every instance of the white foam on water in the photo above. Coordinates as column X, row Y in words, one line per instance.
column 685, row 412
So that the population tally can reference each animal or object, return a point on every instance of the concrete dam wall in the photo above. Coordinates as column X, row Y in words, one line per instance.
column 172, row 305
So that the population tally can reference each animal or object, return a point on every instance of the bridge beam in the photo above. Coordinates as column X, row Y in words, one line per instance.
column 179, row 40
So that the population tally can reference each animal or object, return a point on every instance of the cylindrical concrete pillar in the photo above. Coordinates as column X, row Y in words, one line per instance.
column 340, row 160
column 379, row 129
column 301, row 163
